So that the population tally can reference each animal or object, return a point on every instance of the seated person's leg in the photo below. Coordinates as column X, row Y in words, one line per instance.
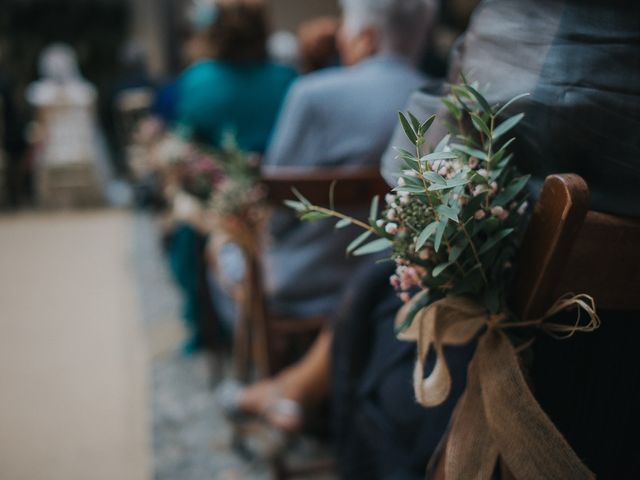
column 183, row 258
column 306, row 383
column 381, row 431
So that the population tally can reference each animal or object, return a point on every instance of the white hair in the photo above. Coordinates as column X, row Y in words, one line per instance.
column 402, row 25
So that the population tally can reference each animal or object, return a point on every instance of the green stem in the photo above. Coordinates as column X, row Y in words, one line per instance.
column 475, row 253
column 332, row 213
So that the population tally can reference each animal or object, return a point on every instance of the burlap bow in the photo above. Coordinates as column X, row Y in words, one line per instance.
column 497, row 415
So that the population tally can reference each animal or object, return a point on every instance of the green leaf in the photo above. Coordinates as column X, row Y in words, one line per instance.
column 456, row 182
column 453, row 108
column 472, row 152
column 439, row 156
column 345, row 222
column 480, row 124
column 358, row 241
column 494, row 239
column 427, row 124
column 433, row 177
column 448, row 212
column 411, row 135
column 461, row 91
column 425, row 235
column 509, row 193
column 297, row 206
column 442, row 143
column 313, row 216
column 481, row 100
column 405, row 154
column 434, row 187
column 414, row 122
column 424, row 299
column 409, row 189
column 507, row 125
column 439, row 269
column 300, row 196
column 373, row 210
column 456, row 251
column 514, row 99
column 442, row 225
column 376, row 246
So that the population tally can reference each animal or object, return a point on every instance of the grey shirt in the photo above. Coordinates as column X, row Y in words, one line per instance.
column 339, row 116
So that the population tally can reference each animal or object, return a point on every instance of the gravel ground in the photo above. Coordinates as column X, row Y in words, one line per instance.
column 190, row 438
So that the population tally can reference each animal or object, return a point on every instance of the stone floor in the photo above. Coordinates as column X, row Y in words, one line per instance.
column 190, row 437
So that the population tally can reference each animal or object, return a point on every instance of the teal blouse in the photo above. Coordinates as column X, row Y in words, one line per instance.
column 218, row 97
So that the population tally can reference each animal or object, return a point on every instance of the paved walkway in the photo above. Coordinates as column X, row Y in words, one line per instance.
column 73, row 392
column 91, row 386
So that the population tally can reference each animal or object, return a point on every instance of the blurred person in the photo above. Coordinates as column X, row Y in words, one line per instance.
column 238, row 89
column 318, row 46
column 579, row 61
column 67, row 132
column 230, row 88
column 334, row 117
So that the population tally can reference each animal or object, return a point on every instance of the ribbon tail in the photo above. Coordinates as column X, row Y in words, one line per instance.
column 470, row 451
column 525, row 437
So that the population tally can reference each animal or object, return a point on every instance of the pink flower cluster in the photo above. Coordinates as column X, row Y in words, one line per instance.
column 407, row 277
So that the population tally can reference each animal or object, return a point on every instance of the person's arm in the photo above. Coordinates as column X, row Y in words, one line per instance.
column 298, row 137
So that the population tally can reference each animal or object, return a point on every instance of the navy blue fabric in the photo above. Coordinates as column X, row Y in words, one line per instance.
column 380, row 430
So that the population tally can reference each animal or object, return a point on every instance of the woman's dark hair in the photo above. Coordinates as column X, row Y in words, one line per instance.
column 240, row 31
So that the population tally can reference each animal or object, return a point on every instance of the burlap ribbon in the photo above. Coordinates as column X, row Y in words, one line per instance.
column 497, row 414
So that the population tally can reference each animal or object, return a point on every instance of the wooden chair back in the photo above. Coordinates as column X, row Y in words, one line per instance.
column 353, row 185
column 268, row 338
column 569, row 248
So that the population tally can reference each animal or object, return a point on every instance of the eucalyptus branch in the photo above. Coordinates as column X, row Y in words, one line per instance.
column 475, row 252
column 332, row 213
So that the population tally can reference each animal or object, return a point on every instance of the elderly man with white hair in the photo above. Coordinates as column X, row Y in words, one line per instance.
column 338, row 117
column 335, row 117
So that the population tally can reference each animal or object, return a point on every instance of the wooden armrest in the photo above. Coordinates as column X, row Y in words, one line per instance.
column 353, row 185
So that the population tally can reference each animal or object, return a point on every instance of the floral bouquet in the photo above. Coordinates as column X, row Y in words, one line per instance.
column 452, row 226
column 452, row 221
column 224, row 180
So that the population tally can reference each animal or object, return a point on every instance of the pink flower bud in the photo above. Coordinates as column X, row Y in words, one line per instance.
column 499, row 213
column 405, row 297
column 479, row 215
column 473, row 162
column 391, row 228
